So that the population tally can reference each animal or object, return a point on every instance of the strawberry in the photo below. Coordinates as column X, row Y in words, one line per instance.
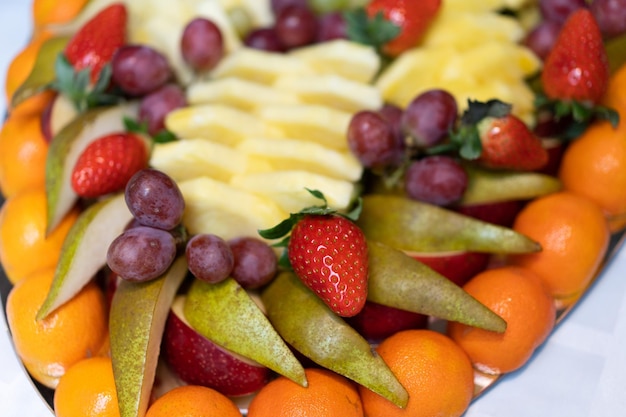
column 107, row 163
column 328, row 252
column 577, row 66
column 411, row 16
column 495, row 138
column 94, row 44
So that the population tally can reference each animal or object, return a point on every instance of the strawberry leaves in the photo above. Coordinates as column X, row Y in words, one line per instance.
column 374, row 31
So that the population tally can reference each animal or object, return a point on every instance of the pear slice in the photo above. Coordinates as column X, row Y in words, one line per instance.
column 68, row 145
column 84, row 249
column 397, row 280
column 43, row 72
column 307, row 324
column 136, row 324
column 413, row 226
column 225, row 314
column 486, row 186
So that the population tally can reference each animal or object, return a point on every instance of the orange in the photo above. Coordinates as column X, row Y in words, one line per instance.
column 74, row 331
column 327, row 395
column 23, row 152
column 87, row 389
column 519, row 297
column 615, row 96
column 46, row 12
column 435, row 371
column 574, row 237
column 193, row 401
column 24, row 246
column 594, row 166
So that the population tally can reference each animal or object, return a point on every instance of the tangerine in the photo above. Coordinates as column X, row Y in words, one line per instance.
column 574, row 236
column 193, row 401
column 518, row 296
column 46, row 12
column 74, row 331
column 435, row 371
column 24, row 246
column 87, row 389
column 327, row 395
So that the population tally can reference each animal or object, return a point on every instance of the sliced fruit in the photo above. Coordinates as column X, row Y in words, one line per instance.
column 217, row 122
column 225, row 314
column 307, row 324
column 287, row 154
column 62, row 112
column 68, row 145
column 407, row 225
column 214, row 207
column 84, row 251
column 136, row 324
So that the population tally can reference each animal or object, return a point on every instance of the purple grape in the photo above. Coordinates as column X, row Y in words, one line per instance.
column 541, row 39
column 202, row 44
column 154, row 107
column 209, row 258
column 438, row 180
column 372, row 140
column 141, row 253
column 429, row 117
column 296, row 26
column 264, row 39
column 393, row 115
column 331, row 26
column 610, row 15
column 278, row 5
column 559, row 10
column 139, row 70
column 255, row 262
column 154, row 199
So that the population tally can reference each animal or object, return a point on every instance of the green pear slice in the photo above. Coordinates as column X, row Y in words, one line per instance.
column 43, row 72
column 413, row 226
column 225, row 314
column 486, row 186
column 84, row 249
column 307, row 324
column 136, row 324
column 397, row 280
column 67, row 146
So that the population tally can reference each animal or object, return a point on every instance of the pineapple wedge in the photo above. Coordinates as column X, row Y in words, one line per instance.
column 288, row 154
column 223, row 124
column 316, row 123
column 331, row 91
column 288, row 188
column 240, row 93
column 212, row 206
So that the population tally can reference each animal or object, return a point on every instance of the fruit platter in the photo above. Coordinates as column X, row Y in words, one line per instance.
column 310, row 207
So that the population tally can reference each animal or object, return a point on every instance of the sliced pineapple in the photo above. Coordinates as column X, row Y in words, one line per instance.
column 331, row 91
column 240, row 93
column 321, row 124
column 287, row 154
column 484, row 5
column 217, row 122
column 341, row 57
column 212, row 206
column 288, row 188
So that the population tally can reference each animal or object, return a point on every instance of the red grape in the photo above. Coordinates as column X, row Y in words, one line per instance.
column 331, row 26
column 610, row 15
column 264, row 39
column 296, row 26
column 154, row 107
column 429, row 117
column 209, row 258
column 372, row 140
column 559, row 10
column 139, row 70
column 541, row 39
column 256, row 263
column 202, row 44
column 438, row 180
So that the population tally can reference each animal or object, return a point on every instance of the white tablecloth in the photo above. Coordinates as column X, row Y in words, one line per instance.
column 579, row 372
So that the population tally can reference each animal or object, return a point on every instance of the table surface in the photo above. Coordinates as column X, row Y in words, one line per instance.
column 579, row 372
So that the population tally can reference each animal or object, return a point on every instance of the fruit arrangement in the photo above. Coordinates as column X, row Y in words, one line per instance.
column 357, row 208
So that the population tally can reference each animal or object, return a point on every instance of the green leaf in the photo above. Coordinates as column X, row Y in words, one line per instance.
column 375, row 31
column 472, row 146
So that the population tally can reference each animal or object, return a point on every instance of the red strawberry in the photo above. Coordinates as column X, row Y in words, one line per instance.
column 95, row 42
column 577, row 66
column 413, row 17
column 328, row 252
column 107, row 164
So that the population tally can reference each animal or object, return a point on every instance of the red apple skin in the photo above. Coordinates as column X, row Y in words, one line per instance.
column 458, row 267
column 46, row 114
column 502, row 213
column 376, row 322
column 197, row 360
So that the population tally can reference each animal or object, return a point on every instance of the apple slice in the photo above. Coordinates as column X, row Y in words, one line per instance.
column 84, row 249
column 136, row 323
column 307, row 324
column 59, row 113
column 225, row 314
column 458, row 267
column 68, row 145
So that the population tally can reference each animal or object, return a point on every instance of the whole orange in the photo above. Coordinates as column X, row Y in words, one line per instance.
column 193, row 401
